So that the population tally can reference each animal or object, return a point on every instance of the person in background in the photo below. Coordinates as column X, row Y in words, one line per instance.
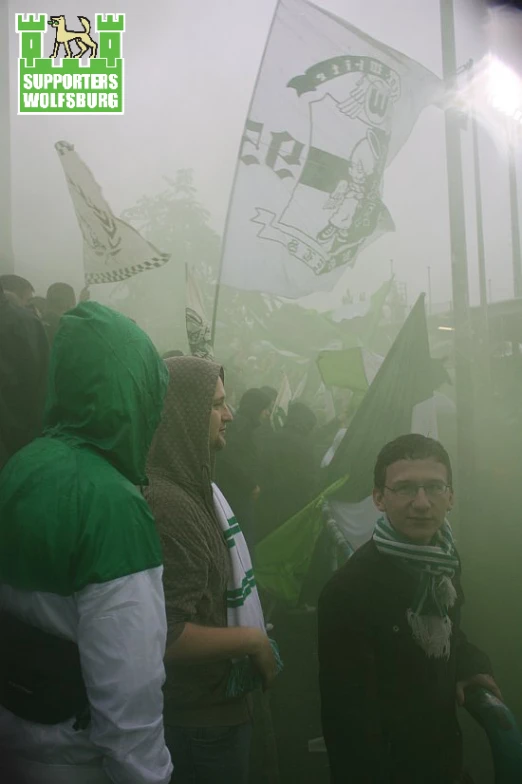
column 213, row 611
column 19, row 288
column 24, row 357
column 393, row 659
column 39, row 306
column 288, row 471
column 83, row 628
column 329, row 436
column 60, row 298
column 265, row 431
column 237, row 467
column 271, row 393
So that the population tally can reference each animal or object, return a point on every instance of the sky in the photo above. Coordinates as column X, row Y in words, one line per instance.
column 190, row 69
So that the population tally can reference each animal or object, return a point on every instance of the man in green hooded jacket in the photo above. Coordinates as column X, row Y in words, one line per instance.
column 81, row 567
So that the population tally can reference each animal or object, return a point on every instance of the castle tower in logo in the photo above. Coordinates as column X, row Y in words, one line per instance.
column 77, row 83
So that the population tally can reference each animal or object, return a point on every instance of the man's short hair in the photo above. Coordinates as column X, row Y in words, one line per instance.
column 60, row 296
column 410, row 447
column 271, row 393
column 16, row 285
column 253, row 403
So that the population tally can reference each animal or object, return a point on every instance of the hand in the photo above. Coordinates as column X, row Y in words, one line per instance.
column 85, row 294
column 264, row 661
column 485, row 681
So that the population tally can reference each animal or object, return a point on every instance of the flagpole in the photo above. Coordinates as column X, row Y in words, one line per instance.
column 515, row 220
column 484, row 358
column 227, row 219
column 459, row 270
column 6, row 246
column 479, row 218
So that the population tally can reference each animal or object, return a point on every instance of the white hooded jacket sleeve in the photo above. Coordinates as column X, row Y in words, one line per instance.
column 121, row 638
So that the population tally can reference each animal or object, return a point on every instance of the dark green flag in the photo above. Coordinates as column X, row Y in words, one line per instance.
column 404, row 379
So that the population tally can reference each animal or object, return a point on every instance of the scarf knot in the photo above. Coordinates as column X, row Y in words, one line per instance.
column 435, row 565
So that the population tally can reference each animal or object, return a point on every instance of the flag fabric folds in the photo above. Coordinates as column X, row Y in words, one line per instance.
column 404, row 380
column 283, row 559
column 198, row 327
column 112, row 250
column 370, row 311
column 331, row 109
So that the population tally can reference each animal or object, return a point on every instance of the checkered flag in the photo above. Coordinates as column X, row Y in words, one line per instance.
column 112, row 249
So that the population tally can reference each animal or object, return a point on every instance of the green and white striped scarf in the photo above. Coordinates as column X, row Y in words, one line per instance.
column 243, row 604
column 435, row 566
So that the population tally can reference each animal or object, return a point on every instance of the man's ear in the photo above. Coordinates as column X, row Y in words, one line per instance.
column 378, row 499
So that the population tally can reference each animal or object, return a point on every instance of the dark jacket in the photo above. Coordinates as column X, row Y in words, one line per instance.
column 388, row 711
column 51, row 322
column 196, row 558
column 24, row 358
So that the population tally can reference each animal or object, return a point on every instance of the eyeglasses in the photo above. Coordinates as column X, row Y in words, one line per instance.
column 410, row 489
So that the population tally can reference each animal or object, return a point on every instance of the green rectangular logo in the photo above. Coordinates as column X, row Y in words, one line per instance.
column 47, row 85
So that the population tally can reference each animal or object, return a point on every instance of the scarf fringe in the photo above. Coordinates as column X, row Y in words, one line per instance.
column 433, row 633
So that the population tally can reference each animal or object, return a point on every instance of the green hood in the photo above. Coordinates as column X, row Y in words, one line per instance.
column 106, row 387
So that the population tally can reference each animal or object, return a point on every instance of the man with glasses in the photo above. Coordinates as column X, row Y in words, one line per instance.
column 393, row 660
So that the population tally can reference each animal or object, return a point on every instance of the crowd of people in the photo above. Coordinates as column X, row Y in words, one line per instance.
column 133, row 634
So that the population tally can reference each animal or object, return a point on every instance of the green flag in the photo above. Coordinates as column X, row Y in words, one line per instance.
column 283, row 558
column 404, row 380
column 353, row 368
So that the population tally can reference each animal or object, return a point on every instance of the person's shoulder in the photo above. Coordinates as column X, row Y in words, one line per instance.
column 175, row 511
column 352, row 580
column 75, row 519
column 184, row 524
column 38, row 465
column 118, row 536
column 18, row 321
column 102, row 485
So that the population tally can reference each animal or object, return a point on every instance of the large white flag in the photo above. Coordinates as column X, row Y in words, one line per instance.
column 112, row 250
column 331, row 109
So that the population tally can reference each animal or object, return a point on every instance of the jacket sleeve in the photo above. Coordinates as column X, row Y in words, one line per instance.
column 470, row 659
column 121, row 637
column 185, row 578
column 349, row 699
